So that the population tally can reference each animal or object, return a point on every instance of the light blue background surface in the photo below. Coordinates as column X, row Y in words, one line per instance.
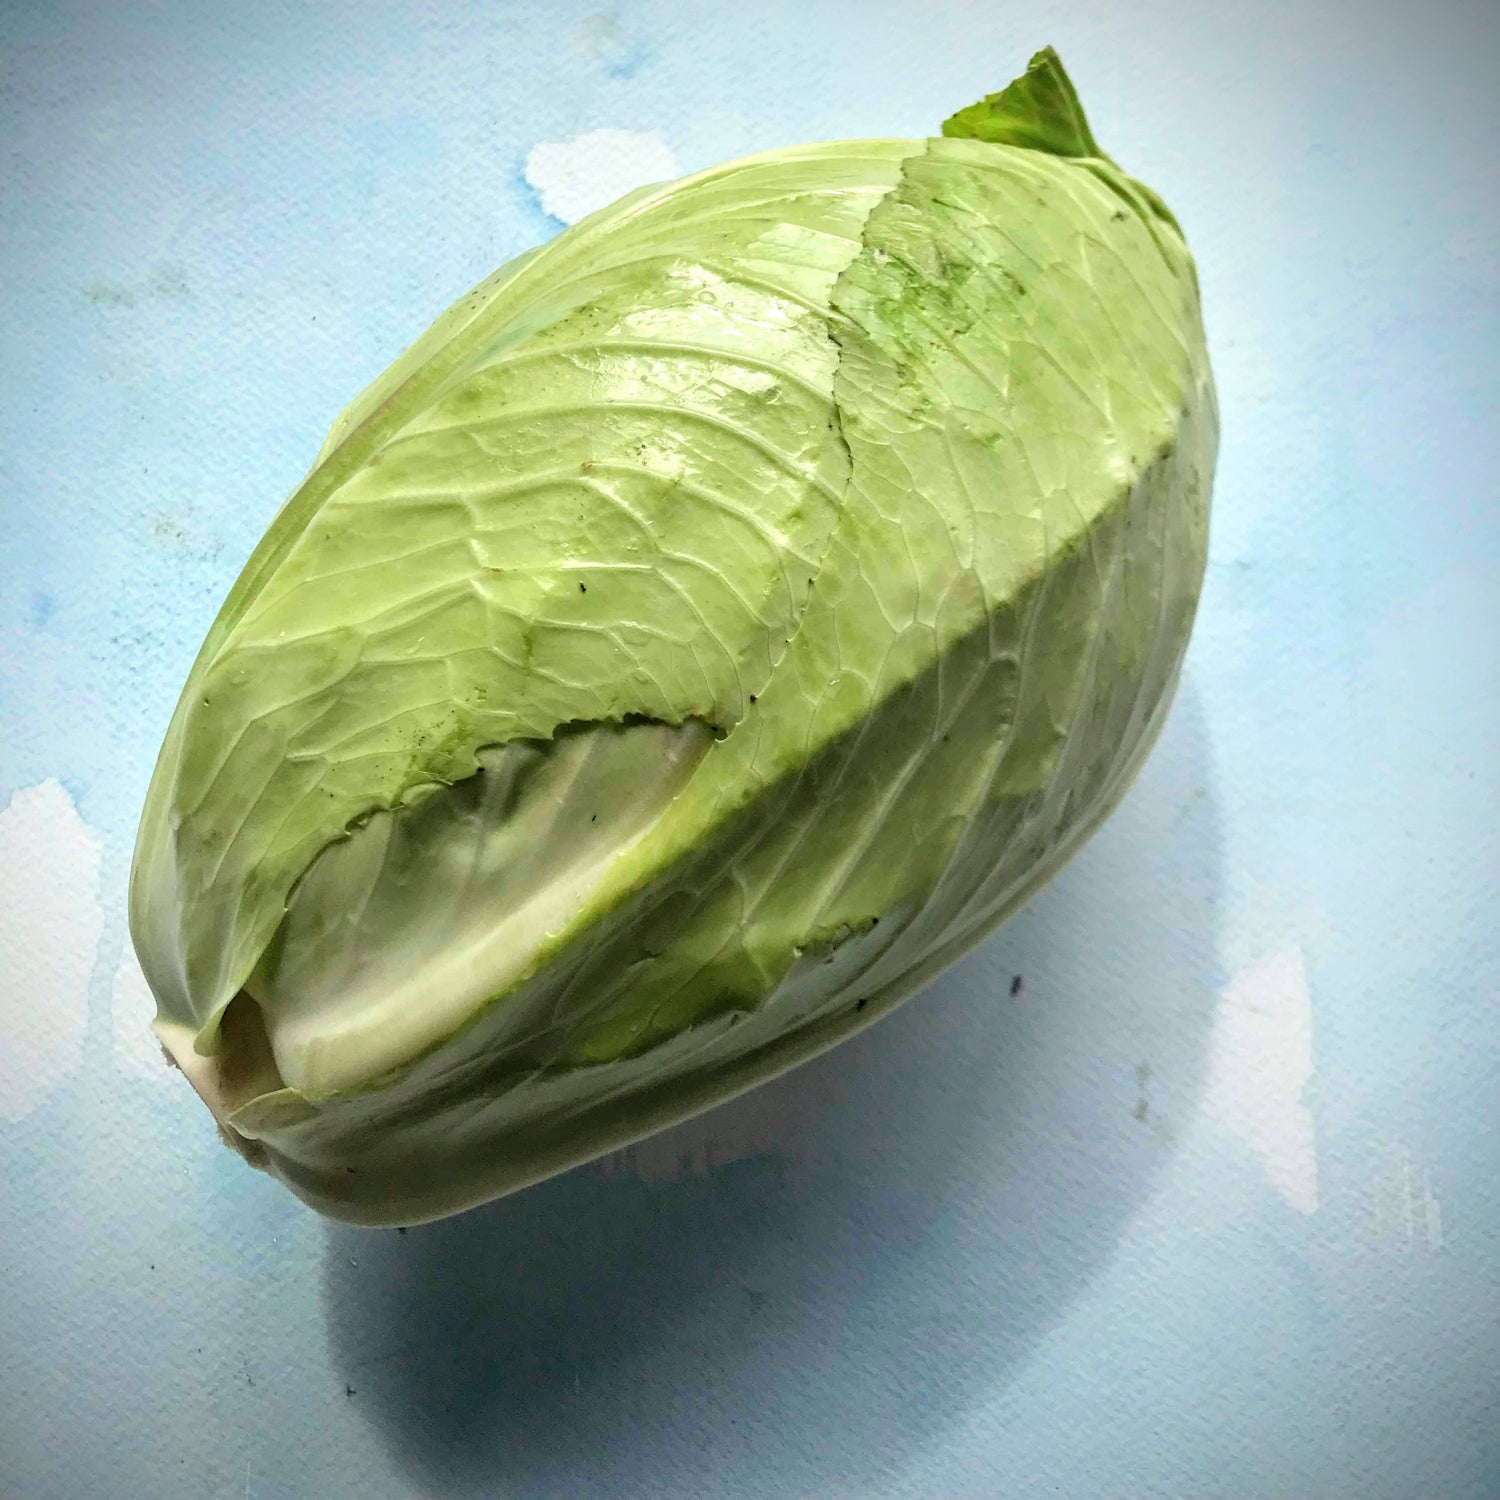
column 1095, row 1240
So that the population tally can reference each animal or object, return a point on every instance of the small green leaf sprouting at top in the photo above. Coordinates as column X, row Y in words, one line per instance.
column 1040, row 110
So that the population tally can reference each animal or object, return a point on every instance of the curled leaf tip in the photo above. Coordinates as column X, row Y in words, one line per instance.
column 1039, row 110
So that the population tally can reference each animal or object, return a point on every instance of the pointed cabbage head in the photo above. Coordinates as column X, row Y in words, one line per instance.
column 712, row 626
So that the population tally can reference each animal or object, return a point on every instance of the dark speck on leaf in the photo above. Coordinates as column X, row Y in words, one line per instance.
column 860, row 1004
column 583, row 588
column 593, row 817
column 752, row 697
column 1015, row 986
column 348, row 1391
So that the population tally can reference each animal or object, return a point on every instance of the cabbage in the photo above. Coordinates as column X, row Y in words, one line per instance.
column 711, row 627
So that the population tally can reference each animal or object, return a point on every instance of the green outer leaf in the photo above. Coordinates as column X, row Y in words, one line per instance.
column 645, row 406
column 372, row 966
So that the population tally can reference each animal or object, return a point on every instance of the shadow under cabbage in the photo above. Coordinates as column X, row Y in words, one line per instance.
column 811, row 1283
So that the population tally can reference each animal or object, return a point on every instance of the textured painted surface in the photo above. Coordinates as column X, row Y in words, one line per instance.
column 1206, row 1207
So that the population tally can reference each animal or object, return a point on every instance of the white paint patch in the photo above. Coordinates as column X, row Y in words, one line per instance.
column 768, row 1121
column 1407, row 1211
column 659, row 1158
column 1260, row 1065
column 132, row 1008
column 600, row 39
column 50, row 923
column 747, row 1127
column 573, row 178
